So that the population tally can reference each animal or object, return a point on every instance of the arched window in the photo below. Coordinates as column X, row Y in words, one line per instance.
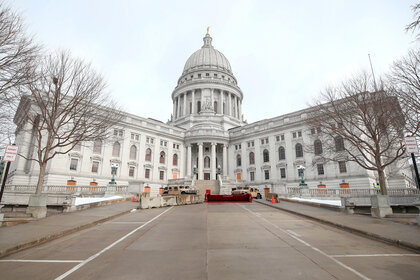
column 133, row 152
column 116, row 149
column 215, row 106
column 162, row 157
column 317, row 147
column 206, row 162
column 148, row 154
column 251, row 158
column 266, row 156
column 175, row 160
column 238, row 160
column 339, row 144
column 198, row 106
column 299, row 150
column 97, row 147
column 282, row 153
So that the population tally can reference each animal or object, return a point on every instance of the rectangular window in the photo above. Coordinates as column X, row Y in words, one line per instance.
column 294, row 134
column 277, row 138
column 282, row 137
column 115, row 132
column 249, row 144
column 312, row 130
column 283, row 173
column 131, row 171
column 199, row 75
column 252, row 143
column 147, row 173
column 132, row 136
column 342, row 166
column 262, row 141
column 240, row 146
column 207, row 74
column 173, row 146
column 320, row 168
column 266, row 140
column 299, row 133
column 73, row 164
column 266, row 174
column 95, row 166
column 162, row 175
column 215, row 75
column 252, row 176
column 177, row 146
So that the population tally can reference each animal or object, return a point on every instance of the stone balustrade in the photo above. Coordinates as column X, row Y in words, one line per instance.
column 353, row 192
column 63, row 189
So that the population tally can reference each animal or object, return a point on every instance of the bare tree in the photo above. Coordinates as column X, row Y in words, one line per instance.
column 358, row 122
column 414, row 25
column 404, row 82
column 68, row 105
column 18, row 56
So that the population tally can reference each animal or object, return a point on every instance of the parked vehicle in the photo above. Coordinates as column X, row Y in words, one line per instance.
column 179, row 189
column 247, row 189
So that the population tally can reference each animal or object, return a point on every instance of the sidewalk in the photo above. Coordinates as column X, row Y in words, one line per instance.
column 16, row 238
column 407, row 236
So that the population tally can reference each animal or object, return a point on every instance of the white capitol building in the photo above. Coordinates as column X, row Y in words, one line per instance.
column 206, row 135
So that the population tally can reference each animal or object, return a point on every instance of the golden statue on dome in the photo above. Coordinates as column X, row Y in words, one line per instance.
column 208, row 29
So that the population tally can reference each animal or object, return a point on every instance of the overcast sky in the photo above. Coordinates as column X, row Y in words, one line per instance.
column 281, row 52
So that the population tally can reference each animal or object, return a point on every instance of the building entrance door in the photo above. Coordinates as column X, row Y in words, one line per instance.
column 206, row 176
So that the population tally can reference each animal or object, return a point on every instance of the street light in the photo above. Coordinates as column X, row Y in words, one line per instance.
column 301, row 172
column 114, row 168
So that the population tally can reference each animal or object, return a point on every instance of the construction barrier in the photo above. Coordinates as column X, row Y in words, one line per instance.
column 228, row 198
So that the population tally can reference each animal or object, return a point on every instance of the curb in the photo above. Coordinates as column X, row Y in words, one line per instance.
column 315, row 204
column 374, row 236
column 41, row 240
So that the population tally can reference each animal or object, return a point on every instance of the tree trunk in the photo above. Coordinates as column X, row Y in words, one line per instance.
column 42, row 167
column 382, row 182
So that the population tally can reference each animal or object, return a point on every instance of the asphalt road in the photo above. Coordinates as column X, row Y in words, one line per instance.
column 212, row 241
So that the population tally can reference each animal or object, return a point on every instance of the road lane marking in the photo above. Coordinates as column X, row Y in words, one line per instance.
column 376, row 255
column 44, row 261
column 126, row 223
column 310, row 246
column 292, row 232
column 91, row 258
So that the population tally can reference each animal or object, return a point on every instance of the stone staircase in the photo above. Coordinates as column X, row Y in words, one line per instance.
column 226, row 185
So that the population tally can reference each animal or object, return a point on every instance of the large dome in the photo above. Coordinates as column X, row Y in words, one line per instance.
column 207, row 58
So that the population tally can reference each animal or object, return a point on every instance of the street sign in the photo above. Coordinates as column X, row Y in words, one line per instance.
column 411, row 145
column 11, row 153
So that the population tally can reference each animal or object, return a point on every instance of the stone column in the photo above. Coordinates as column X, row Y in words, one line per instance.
column 221, row 102
column 212, row 97
column 225, row 169
column 193, row 101
column 189, row 160
column 213, row 162
column 200, row 161
column 230, row 104
column 179, row 106
column 174, row 111
column 185, row 104
column 240, row 109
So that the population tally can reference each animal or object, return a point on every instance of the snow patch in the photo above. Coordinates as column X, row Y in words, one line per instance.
column 87, row 200
column 320, row 201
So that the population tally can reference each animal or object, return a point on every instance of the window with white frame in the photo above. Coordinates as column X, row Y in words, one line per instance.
column 282, row 173
column 95, row 166
column 342, row 166
column 320, row 168
column 266, row 174
column 147, row 173
column 131, row 170
column 73, row 164
column 252, row 176
column 162, row 175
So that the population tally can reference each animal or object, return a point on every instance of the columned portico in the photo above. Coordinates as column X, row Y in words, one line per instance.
column 189, row 160
column 200, row 161
column 225, row 171
column 213, row 161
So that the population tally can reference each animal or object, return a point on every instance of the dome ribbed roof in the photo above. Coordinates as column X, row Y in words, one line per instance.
column 207, row 57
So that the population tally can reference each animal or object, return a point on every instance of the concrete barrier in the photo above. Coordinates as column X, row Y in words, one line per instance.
column 147, row 202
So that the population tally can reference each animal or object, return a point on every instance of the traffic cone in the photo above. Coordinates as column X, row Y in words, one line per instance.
column 272, row 200
column 134, row 200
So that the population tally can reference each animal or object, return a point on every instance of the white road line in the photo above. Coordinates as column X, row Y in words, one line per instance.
column 292, row 232
column 91, row 258
column 376, row 255
column 312, row 247
column 125, row 222
column 43, row 261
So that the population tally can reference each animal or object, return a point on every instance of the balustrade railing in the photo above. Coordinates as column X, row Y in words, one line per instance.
column 353, row 192
column 63, row 189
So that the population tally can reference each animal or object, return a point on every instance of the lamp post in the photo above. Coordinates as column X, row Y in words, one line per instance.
column 114, row 168
column 301, row 172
